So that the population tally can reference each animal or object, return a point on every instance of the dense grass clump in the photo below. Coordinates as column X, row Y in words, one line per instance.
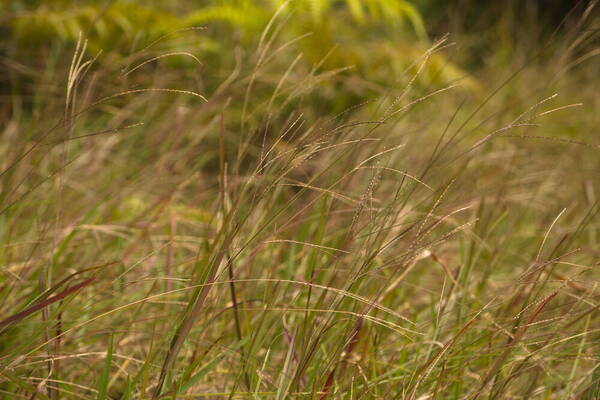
column 240, row 231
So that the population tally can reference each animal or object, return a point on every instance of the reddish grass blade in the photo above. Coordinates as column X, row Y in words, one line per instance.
column 518, row 336
column 347, row 353
column 40, row 305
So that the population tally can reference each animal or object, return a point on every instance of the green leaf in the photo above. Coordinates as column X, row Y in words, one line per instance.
column 356, row 9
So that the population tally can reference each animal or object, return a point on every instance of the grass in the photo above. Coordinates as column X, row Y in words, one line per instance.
column 159, row 240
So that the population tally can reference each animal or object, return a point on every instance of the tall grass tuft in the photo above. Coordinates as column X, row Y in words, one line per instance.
column 169, row 235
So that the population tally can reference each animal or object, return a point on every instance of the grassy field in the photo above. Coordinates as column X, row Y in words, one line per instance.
column 207, row 214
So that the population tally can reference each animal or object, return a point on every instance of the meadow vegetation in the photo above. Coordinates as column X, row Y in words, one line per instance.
column 297, row 200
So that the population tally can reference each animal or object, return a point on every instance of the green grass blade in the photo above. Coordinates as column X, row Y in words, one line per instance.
column 104, row 378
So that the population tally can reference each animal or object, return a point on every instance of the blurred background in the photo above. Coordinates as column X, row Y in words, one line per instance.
column 379, row 39
column 363, row 48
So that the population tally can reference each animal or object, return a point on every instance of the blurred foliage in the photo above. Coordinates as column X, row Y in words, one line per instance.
column 100, row 20
column 392, row 30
